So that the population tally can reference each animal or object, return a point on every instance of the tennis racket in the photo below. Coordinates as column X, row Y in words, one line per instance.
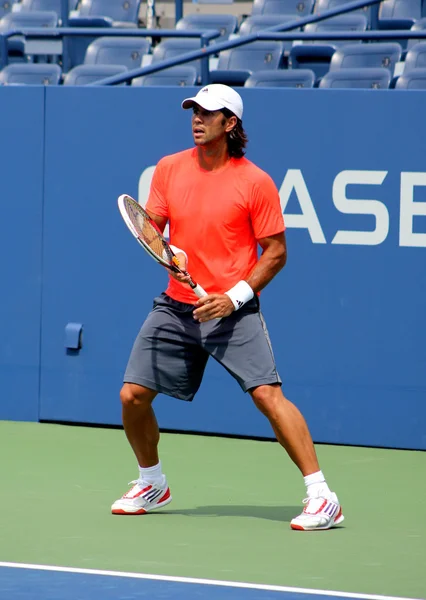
column 150, row 238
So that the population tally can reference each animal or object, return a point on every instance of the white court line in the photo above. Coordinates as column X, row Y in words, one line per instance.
column 217, row 582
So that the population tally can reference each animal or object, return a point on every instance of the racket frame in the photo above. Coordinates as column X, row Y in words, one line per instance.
column 174, row 267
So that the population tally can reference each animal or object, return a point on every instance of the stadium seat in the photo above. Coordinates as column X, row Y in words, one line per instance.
column 357, row 78
column 400, row 9
column 416, row 57
column 84, row 74
column 370, row 12
column 315, row 58
column 77, row 46
column 49, row 5
column 176, row 46
column 19, row 49
column 117, row 51
column 30, row 74
column 316, row 55
column 289, row 78
column 226, row 24
column 237, row 64
column 260, row 22
column 297, row 8
column 19, row 20
column 419, row 25
column 252, row 57
column 181, row 76
column 366, row 55
column 413, row 80
column 357, row 22
column 125, row 12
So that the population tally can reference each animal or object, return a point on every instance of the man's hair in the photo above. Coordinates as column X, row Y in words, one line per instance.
column 237, row 137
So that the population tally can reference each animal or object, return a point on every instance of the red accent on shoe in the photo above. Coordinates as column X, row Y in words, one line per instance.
column 166, row 495
column 339, row 514
column 298, row 527
column 120, row 511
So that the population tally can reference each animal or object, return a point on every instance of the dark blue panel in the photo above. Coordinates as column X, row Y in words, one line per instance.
column 21, row 150
column 347, row 320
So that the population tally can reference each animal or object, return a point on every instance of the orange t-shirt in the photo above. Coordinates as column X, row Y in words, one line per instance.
column 216, row 217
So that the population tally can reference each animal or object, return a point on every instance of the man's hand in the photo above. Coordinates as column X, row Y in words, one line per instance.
column 213, row 306
column 182, row 265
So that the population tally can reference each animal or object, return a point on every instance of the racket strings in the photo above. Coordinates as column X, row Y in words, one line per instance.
column 148, row 233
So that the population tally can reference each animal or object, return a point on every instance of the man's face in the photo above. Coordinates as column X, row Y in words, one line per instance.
column 209, row 126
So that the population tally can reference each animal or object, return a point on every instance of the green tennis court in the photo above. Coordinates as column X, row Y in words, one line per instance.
column 229, row 519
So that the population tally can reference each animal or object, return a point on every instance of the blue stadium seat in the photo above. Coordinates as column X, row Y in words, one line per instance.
column 368, row 78
column 181, row 76
column 416, row 57
column 316, row 55
column 19, row 49
column 316, row 58
column 84, row 74
column 252, row 57
column 366, row 55
column 400, row 9
column 54, row 5
column 117, row 51
column 413, row 80
column 297, row 8
column 419, row 25
column 370, row 12
column 30, row 74
column 77, row 46
column 18, row 20
column 175, row 47
column 260, row 22
column 226, row 24
column 357, row 22
column 289, row 78
column 124, row 12
column 237, row 64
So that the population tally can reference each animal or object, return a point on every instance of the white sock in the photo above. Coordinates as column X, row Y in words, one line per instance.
column 151, row 474
column 316, row 485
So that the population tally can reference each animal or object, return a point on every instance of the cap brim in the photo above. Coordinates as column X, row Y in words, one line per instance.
column 206, row 103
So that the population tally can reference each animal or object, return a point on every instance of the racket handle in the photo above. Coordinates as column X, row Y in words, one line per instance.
column 198, row 291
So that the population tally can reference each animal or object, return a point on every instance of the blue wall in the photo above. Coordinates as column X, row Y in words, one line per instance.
column 347, row 315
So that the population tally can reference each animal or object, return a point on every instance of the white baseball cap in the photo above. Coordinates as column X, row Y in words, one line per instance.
column 215, row 97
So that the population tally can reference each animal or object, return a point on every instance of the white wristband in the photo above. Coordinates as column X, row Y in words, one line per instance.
column 240, row 294
column 175, row 250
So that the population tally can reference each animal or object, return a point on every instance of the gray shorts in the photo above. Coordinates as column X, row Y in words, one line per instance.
column 171, row 350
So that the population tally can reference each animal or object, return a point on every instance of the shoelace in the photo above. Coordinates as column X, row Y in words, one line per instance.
column 307, row 500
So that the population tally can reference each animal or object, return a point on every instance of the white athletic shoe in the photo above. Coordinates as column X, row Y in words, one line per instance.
column 319, row 513
column 142, row 498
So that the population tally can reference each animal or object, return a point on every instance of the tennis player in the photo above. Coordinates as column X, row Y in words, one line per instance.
column 220, row 208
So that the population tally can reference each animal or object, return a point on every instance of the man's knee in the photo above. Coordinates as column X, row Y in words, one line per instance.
column 267, row 398
column 132, row 395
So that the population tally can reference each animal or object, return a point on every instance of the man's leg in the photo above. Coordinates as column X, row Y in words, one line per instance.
column 322, row 509
column 150, row 490
column 289, row 426
column 140, row 423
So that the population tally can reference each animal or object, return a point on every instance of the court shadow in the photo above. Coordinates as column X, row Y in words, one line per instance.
column 271, row 513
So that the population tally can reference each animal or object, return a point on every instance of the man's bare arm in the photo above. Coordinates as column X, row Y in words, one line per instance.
column 271, row 261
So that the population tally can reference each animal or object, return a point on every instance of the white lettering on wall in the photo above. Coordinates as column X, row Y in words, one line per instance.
column 360, row 207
